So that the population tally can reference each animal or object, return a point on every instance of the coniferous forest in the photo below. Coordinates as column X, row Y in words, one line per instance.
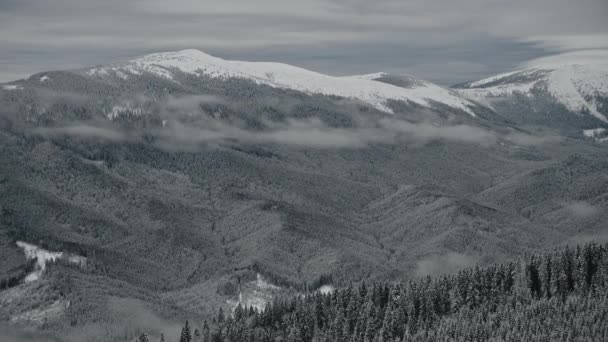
column 557, row 296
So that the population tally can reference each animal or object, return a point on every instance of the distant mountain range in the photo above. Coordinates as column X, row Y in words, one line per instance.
column 197, row 63
column 560, row 96
column 179, row 177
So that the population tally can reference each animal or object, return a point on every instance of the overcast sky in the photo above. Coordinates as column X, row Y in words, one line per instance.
column 445, row 41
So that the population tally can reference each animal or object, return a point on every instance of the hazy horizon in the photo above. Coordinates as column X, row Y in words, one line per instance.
column 441, row 42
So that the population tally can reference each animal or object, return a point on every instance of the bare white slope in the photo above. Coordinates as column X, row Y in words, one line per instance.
column 285, row 76
column 43, row 256
column 573, row 85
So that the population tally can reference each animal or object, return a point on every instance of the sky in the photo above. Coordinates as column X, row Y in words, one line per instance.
column 444, row 41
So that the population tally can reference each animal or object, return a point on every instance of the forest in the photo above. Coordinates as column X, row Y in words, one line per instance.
column 555, row 296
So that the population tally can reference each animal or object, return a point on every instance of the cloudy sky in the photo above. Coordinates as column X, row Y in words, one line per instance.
column 441, row 40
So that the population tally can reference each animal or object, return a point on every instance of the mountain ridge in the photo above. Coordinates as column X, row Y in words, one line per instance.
column 279, row 75
column 581, row 88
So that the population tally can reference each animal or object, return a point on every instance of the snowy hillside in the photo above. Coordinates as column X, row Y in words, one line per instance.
column 284, row 76
column 579, row 87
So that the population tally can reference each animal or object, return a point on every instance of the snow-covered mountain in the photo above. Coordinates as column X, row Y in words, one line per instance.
column 285, row 76
column 580, row 88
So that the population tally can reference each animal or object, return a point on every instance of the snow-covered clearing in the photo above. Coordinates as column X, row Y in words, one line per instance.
column 43, row 256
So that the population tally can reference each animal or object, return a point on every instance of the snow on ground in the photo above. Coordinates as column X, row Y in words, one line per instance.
column 597, row 134
column 492, row 79
column 263, row 284
column 258, row 293
column 592, row 133
column 121, row 110
column 326, row 289
column 43, row 256
column 121, row 75
column 12, row 87
column 44, row 78
column 286, row 76
column 573, row 85
column 369, row 77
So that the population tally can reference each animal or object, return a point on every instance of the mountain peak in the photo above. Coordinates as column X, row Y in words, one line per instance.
column 574, row 84
column 278, row 75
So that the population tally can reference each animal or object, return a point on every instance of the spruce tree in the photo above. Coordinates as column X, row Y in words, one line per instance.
column 143, row 338
column 186, row 336
column 206, row 332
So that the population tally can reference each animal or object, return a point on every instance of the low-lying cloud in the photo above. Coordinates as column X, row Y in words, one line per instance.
column 191, row 102
column 444, row 264
column 581, row 209
column 178, row 136
column 314, row 133
column 17, row 334
column 84, row 131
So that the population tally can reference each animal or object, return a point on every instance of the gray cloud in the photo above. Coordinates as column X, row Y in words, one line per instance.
column 335, row 36
column 202, row 130
column 581, row 209
column 313, row 133
column 425, row 132
column 444, row 264
column 85, row 131
column 596, row 57
column 193, row 102
column 19, row 334
column 536, row 139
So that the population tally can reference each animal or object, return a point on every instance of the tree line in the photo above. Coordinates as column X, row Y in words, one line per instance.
column 556, row 296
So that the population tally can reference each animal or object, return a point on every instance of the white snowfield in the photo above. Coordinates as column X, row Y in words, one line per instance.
column 591, row 133
column 118, row 111
column 598, row 134
column 43, row 256
column 574, row 85
column 11, row 87
column 326, row 289
column 285, row 76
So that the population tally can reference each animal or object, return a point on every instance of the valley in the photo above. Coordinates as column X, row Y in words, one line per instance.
column 176, row 184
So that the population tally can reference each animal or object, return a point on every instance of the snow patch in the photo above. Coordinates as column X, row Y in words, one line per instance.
column 122, row 75
column 44, row 78
column 326, row 289
column 43, row 256
column 592, row 133
column 263, row 284
column 127, row 109
column 12, row 87
column 256, row 294
column 597, row 134
column 369, row 77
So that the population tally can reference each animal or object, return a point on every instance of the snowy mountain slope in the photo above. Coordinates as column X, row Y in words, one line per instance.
column 579, row 87
column 284, row 76
column 400, row 80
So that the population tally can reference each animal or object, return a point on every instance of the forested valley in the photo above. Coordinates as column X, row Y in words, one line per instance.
column 556, row 296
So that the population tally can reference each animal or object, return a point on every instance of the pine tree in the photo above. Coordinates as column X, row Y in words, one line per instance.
column 206, row 332
column 143, row 338
column 534, row 283
column 547, row 277
column 197, row 336
column 186, row 336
